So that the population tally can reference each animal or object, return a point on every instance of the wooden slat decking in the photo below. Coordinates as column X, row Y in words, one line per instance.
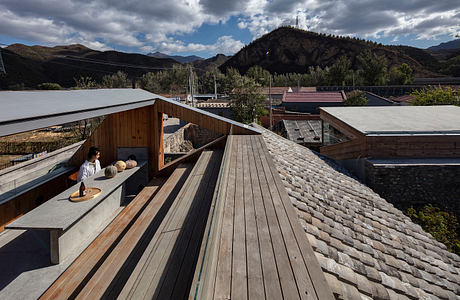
column 166, row 269
column 255, row 247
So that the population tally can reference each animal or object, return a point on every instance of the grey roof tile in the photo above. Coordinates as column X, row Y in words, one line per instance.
column 366, row 246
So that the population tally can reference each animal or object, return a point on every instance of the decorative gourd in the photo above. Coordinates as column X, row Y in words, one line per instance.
column 120, row 165
column 131, row 164
column 110, row 171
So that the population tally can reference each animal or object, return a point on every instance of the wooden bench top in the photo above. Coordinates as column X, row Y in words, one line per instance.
column 254, row 247
column 165, row 271
column 59, row 213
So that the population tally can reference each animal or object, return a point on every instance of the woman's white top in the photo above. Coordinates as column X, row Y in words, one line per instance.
column 88, row 169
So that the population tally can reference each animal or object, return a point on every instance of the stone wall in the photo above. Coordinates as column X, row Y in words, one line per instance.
column 416, row 185
column 188, row 137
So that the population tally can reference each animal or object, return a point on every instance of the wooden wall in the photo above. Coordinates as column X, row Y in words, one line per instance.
column 395, row 147
column 141, row 127
column 413, row 146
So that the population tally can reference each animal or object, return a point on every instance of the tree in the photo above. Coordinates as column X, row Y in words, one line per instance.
column 339, row 70
column 436, row 96
column 84, row 128
column 247, row 101
column 206, row 82
column 49, row 86
column 85, row 83
column 440, row 224
column 231, row 80
column 150, row 82
column 317, row 76
column 372, row 67
column 356, row 98
column 117, row 80
column 260, row 75
column 400, row 75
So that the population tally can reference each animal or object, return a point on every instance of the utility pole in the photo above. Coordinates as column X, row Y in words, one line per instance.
column 190, row 81
column 215, row 86
column 270, row 99
column 2, row 66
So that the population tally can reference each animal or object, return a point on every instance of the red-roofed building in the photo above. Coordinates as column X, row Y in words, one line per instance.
column 277, row 92
column 309, row 102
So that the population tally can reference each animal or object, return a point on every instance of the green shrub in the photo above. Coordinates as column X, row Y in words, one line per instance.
column 356, row 98
column 440, row 224
column 436, row 95
column 49, row 86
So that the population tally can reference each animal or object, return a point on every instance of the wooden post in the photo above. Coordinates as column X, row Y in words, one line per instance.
column 156, row 160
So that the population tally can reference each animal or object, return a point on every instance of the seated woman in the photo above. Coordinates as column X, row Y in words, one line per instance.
column 91, row 166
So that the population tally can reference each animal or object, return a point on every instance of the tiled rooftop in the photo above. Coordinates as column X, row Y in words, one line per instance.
column 302, row 131
column 366, row 247
column 314, row 97
column 279, row 90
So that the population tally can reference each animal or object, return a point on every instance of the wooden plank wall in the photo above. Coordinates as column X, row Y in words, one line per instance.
column 395, row 147
column 142, row 127
column 413, row 146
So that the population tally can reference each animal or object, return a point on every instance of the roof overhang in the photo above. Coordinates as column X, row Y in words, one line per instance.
column 27, row 110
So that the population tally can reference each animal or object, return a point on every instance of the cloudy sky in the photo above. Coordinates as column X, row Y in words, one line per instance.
column 207, row 27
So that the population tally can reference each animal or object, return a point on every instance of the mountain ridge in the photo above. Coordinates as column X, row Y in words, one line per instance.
column 291, row 50
column 179, row 58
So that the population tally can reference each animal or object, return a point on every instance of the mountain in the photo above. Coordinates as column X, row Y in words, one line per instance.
column 208, row 65
column 455, row 44
column 31, row 65
column 178, row 58
column 287, row 50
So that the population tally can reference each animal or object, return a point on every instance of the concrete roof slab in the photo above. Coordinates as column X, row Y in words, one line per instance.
column 400, row 120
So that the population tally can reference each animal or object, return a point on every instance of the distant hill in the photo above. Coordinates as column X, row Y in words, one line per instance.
column 31, row 65
column 287, row 49
column 455, row 44
column 178, row 58
column 210, row 64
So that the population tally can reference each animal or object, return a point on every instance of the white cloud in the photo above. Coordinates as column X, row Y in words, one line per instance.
column 224, row 44
column 147, row 25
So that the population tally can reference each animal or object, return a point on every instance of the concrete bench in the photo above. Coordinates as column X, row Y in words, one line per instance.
column 71, row 224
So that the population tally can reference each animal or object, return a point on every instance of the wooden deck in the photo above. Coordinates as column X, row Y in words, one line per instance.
column 166, row 269
column 230, row 233
column 254, row 246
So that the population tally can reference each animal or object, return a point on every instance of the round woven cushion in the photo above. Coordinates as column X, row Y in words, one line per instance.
column 130, row 164
column 110, row 171
column 120, row 165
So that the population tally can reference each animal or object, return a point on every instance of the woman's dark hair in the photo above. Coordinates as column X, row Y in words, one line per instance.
column 93, row 151
column 132, row 157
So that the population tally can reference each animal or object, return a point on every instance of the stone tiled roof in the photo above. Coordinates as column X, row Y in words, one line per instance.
column 366, row 247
